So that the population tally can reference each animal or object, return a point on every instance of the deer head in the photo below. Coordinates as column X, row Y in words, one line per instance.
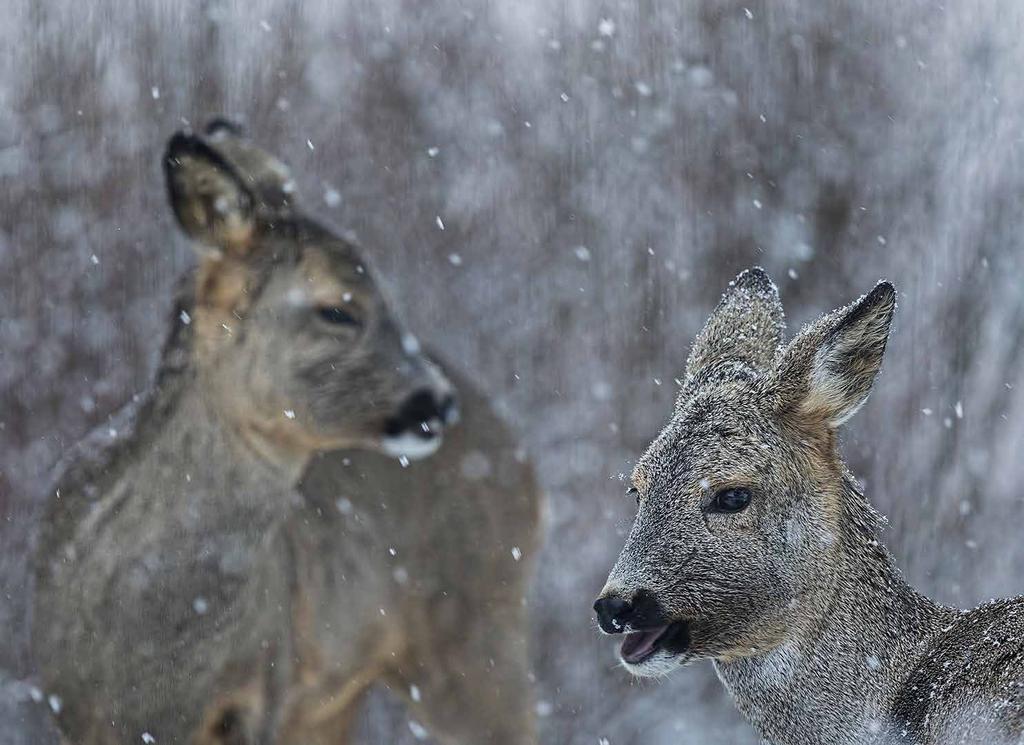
column 294, row 341
column 743, row 502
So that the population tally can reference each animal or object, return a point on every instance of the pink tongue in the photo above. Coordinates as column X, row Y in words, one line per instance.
column 639, row 645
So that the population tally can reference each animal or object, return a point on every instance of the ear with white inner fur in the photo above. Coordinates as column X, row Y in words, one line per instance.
column 827, row 371
column 207, row 195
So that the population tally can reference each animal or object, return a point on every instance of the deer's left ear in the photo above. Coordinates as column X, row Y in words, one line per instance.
column 208, row 197
column 827, row 371
column 745, row 329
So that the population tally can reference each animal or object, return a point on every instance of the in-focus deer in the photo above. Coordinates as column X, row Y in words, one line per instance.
column 188, row 592
column 753, row 547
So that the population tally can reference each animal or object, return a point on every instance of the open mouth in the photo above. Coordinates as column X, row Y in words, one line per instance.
column 640, row 645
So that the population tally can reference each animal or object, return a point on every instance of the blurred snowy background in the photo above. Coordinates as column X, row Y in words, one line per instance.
column 602, row 169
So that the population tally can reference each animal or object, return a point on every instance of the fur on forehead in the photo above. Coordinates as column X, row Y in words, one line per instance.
column 743, row 336
column 230, row 285
column 233, row 283
column 730, row 408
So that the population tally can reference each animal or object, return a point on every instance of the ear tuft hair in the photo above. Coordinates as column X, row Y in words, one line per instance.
column 756, row 280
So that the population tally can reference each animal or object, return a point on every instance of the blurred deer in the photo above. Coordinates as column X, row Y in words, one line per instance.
column 754, row 547
column 187, row 591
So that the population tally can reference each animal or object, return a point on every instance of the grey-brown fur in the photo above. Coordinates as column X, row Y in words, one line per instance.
column 810, row 625
column 463, row 526
column 186, row 588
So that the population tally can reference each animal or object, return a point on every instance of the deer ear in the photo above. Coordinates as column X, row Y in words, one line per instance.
column 827, row 371
column 221, row 126
column 207, row 195
column 745, row 329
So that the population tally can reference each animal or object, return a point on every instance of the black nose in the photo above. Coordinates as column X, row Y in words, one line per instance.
column 612, row 614
column 423, row 413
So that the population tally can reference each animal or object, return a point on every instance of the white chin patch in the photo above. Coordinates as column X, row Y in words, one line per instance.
column 658, row 665
column 410, row 445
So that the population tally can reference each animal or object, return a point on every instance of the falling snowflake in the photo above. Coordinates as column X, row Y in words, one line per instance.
column 418, row 730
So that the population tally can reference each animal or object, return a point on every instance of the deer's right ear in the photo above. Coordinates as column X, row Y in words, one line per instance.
column 827, row 371
column 207, row 195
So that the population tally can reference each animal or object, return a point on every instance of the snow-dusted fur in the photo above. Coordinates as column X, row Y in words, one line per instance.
column 811, row 627
column 188, row 591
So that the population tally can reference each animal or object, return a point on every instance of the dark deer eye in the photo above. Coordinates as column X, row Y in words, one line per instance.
column 730, row 500
column 337, row 316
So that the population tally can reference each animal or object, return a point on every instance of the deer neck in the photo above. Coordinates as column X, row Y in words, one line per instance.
column 834, row 677
column 265, row 446
column 190, row 455
column 201, row 464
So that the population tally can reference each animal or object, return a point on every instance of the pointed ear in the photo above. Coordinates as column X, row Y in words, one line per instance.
column 827, row 371
column 207, row 195
column 745, row 329
column 221, row 125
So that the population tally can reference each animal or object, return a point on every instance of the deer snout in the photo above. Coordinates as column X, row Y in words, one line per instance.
column 416, row 427
column 426, row 410
column 612, row 613
column 619, row 611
